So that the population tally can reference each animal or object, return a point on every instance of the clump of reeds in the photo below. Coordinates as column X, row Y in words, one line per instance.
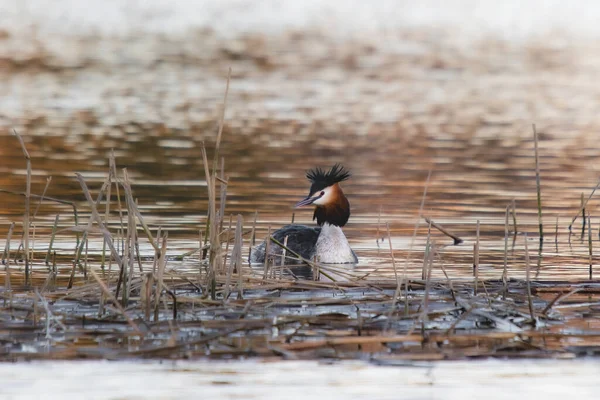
column 223, row 308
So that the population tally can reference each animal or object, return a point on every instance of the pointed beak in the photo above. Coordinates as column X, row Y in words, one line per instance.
column 307, row 201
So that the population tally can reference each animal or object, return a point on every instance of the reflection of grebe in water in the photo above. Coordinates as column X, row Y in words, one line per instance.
column 327, row 243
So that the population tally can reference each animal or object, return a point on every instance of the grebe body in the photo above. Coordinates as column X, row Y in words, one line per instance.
column 325, row 243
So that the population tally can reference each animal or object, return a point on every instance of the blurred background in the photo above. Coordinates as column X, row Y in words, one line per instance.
column 392, row 90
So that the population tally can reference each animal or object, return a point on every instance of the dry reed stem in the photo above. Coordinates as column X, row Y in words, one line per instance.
column 315, row 265
column 476, row 259
column 6, row 253
column 223, row 196
column 27, row 205
column 227, row 239
column 456, row 239
column 79, row 248
column 6, row 261
column 98, row 219
column 583, row 217
column 428, row 267
column 398, row 290
column 528, row 280
column 253, row 234
column 590, row 248
column 514, row 215
column 162, row 263
column 129, row 242
column 107, row 205
column 398, row 281
column 556, row 234
column 215, row 246
column 129, row 197
column 237, row 250
column 52, row 237
column 505, row 269
column 537, row 183
column 146, row 294
column 425, row 255
column 231, row 263
column 37, row 208
column 267, row 252
column 115, row 302
column 221, row 123
column 284, row 250
column 583, row 205
column 112, row 164
column 378, row 225
column 412, row 239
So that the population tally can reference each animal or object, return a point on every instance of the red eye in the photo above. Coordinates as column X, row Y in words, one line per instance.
column 322, row 193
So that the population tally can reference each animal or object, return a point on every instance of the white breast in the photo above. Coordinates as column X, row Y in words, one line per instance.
column 332, row 246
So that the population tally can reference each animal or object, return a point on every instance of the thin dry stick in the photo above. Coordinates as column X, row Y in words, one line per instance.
column 537, row 182
column 456, row 239
column 528, row 279
column 27, row 205
column 476, row 258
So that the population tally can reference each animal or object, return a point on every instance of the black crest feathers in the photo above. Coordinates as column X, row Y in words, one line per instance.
column 321, row 179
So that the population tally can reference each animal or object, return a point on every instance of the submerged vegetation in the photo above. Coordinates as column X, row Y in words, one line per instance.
column 121, row 288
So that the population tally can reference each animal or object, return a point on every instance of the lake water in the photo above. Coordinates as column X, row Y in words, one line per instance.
column 394, row 92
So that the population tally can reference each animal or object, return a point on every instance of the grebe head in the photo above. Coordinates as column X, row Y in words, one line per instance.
column 325, row 193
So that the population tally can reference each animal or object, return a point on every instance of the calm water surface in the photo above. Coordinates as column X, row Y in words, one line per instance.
column 390, row 110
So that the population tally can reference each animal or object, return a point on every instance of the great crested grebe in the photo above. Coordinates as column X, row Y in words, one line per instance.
column 325, row 243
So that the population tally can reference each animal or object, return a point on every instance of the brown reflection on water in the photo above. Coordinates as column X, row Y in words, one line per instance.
column 388, row 114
